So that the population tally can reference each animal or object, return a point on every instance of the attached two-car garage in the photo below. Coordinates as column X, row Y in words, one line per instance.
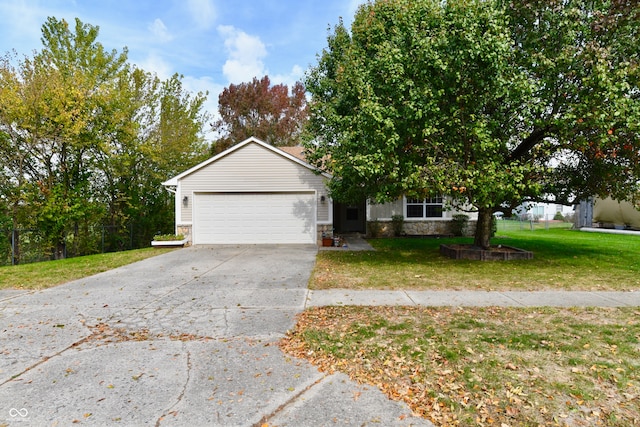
column 252, row 193
column 222, row 218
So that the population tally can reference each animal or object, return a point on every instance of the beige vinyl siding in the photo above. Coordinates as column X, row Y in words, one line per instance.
column 252, row 169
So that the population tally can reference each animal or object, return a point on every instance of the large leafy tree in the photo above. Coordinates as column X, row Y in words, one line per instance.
column 490, row 103
column 76, row 109
column 87, row 139
column 173, row 141
column 50, row 105
column 260, row 109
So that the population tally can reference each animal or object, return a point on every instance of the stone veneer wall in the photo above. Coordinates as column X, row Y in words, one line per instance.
column 324, row 228
column 422, row 228
column 185, row 230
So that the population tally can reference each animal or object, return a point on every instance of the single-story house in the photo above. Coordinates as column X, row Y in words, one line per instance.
column 257, row 193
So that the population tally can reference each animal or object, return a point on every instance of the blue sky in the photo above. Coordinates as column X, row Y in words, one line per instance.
column 212, row 43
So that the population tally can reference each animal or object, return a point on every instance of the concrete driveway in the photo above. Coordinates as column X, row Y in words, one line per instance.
column 187, row 338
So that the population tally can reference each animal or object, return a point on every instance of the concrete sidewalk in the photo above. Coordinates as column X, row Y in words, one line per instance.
column 475, row 298
column 468, row 298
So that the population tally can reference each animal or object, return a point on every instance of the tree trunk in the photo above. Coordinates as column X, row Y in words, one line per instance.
column 15, row 236
column 482, row 237
column 15, row 246
column 60, row 250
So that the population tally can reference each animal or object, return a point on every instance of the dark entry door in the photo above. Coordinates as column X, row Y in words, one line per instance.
column 350, row 218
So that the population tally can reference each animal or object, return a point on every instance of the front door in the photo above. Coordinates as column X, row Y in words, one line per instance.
column 351, row 218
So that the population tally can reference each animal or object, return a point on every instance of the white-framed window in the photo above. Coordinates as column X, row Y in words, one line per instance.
column 424, row 208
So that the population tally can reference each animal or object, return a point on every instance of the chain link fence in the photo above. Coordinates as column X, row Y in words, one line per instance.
column 22, row 246
column 532, row 223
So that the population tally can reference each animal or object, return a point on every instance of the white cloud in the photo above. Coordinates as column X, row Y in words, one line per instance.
column 160, row 31
column 295, row 75
column 155, row 64
column 203, row 12
column 245, row 55
column 21, row 25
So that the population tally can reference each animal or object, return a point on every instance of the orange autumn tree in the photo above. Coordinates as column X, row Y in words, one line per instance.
column 268, row 112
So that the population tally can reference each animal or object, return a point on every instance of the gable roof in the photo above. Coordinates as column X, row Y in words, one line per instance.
column 299, row 159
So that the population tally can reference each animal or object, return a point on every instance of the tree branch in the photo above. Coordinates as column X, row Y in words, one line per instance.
column 521, row 151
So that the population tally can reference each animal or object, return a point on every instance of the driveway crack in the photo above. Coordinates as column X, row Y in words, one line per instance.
column 51, row 356
column 264, row 420
column 170, row 410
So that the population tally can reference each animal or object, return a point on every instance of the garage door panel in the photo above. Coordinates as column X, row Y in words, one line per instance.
column 254, row 218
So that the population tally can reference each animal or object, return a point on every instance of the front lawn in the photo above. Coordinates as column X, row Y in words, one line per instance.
column 563, row 259
column 40, row 275
column 485, row 366
column 488, row 366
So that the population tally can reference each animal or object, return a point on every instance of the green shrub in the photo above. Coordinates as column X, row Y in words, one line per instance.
column 459, row 224
column 397, row 223
column 558, row 216
column 374, row 228
column 167, row 237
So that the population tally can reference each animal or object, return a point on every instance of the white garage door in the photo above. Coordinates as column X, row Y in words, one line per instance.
column 254, row 218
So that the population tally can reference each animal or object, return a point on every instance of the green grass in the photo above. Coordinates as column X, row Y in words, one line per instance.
column 485, row 366
column 46, row 274
column 563, row 259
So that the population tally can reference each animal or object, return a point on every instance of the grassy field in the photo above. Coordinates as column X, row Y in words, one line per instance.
column 487, row 366
column 563, row 259
column 42, row 275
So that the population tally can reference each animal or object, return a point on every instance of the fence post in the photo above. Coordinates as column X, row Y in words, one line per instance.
column 13, row 247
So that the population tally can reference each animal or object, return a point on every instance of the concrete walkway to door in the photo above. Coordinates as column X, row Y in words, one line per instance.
column 187, row 338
